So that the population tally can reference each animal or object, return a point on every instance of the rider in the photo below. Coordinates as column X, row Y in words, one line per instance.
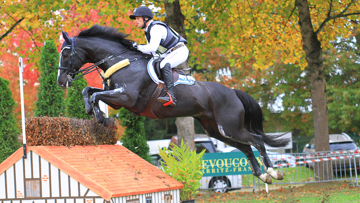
column 164, row 40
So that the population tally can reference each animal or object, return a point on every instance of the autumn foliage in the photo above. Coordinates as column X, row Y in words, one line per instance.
column 42, row 23
column 61, row 131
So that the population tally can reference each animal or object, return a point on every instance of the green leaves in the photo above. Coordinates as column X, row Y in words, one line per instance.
column 50, row 101
column 183, row 165
column 74, row 101
column 342, row 85
column 8, row 129
column 134, row 137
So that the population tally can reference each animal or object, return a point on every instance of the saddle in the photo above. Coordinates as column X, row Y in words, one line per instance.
column 180, row 77
column 157, row 69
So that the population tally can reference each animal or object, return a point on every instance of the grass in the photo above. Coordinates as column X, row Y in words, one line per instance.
column 298, row 174
column 312, row 192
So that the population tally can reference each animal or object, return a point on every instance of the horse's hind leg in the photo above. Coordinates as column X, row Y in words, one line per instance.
column 268, row 166
column 246, row 149
column 214, row 130
column 243, row 137
column 257, row 142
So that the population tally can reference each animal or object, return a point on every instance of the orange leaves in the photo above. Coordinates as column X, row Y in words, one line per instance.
column 9, row 70
column 262, row 198
column 45, row 21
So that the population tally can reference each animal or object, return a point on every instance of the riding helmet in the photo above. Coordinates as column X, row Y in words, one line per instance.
column 142, row 11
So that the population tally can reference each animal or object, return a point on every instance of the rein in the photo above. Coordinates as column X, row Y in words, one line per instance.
column 95, row 66
column 90, row 68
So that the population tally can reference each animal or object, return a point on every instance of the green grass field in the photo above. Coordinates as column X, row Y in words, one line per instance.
column 337, row 192
column 299, row 174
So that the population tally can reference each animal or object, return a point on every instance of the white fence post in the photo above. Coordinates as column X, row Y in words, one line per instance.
column 21, row 69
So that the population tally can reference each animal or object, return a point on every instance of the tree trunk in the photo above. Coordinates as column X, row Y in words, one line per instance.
column 186, row 131
column 315, row 69
column 175, row 19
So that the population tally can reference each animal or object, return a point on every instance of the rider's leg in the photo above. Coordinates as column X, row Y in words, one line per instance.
column 170, row 61
column 168, row 99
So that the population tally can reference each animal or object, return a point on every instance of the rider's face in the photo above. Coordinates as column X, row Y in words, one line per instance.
column 139, row 21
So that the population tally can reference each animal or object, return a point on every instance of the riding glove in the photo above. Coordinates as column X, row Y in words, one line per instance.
column 135, row 45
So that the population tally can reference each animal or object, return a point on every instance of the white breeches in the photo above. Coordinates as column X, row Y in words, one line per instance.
column 176, row 57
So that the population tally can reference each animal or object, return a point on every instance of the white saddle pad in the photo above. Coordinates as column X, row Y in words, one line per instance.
column 183, row 79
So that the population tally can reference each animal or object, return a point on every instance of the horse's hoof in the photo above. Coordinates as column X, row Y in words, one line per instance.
column 265, row 178
column 110, row 123
column 89, row 111
column 275, row 174
column 280, row 176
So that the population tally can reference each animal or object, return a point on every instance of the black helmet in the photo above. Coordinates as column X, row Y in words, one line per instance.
column 142, row 11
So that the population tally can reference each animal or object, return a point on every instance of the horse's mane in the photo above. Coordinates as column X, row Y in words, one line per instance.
column 108, row 33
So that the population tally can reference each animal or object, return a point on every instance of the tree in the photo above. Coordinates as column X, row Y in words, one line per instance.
column 175, row 19
column 11, row 28
column 342, row 84
column 50, row 100
column 9, row 131
column 159, row 129
column 9, row 70
column 74, row 102
column 134, row 137
column 296, row 32
column 43, row 21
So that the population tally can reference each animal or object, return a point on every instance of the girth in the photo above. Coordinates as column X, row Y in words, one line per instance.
column 148, row 111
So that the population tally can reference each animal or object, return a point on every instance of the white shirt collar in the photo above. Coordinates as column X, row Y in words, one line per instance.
column 146, row 29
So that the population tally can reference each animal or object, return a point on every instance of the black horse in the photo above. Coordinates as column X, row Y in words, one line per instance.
column 229, row 115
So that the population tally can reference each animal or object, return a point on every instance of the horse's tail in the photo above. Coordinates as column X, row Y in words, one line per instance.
column 275, row 141
column 253, row 113
column 254, row 119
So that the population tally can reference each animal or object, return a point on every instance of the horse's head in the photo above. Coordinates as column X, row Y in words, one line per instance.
column 71, row 61
column 98, row 45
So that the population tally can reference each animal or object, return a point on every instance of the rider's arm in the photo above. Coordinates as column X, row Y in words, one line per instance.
column 157, row 33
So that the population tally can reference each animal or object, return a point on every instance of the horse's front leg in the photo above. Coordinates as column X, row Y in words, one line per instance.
column 116, row 98
column 87, row 92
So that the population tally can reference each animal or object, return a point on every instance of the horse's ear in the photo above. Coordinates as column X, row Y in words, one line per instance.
column 66, row 37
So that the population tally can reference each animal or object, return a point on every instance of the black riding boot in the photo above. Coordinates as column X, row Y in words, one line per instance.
column 169, row 99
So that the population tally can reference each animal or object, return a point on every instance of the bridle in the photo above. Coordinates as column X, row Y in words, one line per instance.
column 72, row 72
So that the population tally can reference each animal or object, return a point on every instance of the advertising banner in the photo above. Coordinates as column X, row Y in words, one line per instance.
column 223, row 164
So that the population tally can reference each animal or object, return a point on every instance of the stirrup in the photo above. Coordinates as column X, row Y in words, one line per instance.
column 168, row 103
